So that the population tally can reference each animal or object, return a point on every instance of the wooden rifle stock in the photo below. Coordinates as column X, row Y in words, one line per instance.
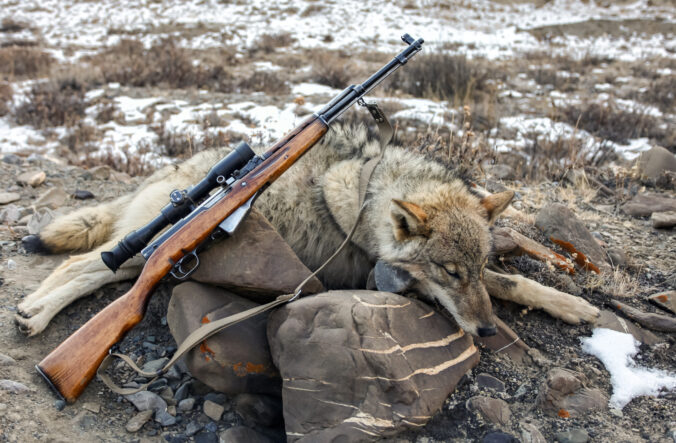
column 73, row 364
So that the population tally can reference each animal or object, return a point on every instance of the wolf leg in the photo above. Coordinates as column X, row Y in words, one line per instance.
column 78, row 276
column 524, row 291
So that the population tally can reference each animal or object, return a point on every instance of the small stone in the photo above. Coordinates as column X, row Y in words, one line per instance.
column 167, row 394
column 531, row 434
column 92, row 407
column 11, row 265
column 213, row 410
column 155, row 365
column 663, row 220
column 192, row 428
column 186, row 404
column 32, row 178
column 486, row 381
column 665, row 300
column 6, row 360
column 39, row 220
column 572, row 436
column 492, row 409
column 521, row 391
column 9, row 197
column 211, row 427
column 173, row 373
column 12, row 159
column 216, row 397
column 616, row 412
column 171, row 410
column 158, row 385
column 10, row 214
column 242, row 434
column 643, row 205
column 14, row 387
column 182, row 392
column 654, row 162
column 81, row 194
column 499, row 437
column 146, row 400
column 59, row 405
column 53, row 198
column 138, row 421
column 100, row 172
column 164, row 418
column 206, row 437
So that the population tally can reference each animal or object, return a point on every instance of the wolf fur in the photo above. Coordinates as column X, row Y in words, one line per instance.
column 421, row 218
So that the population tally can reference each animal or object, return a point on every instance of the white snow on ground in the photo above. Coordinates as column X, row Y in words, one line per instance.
column 615, row 350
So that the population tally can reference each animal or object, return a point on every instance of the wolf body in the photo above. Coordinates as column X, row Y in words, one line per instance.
column 421, row 220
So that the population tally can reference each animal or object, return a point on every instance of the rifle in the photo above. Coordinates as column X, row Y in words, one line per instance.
column 240, row 177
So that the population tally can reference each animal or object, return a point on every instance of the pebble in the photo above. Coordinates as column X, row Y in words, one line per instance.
column 146, row 400
column 182, row 392
column 616, row 412
column 211, row 427
column 11, row 265
column 138, row 420
column 499, row 437
column 167, row 394
column 53, row 198
column 531, row 434
column 173, row 373
column 12, row 159
column 32, row 178
column 8, row 197
column 206, row 437
column 59, row 405
column 663, row 220
column 155, row 365
column 171, row 410
column 164, row 418
column 486, row 381
column 39, row 220
column 492, row 409
column 216, row 397
column 10, row 214
column 521, row 391
column 213, row 410
column 193, row 428
column 572, row 436
column 6, row 360
column 14, row 387
column 81, row 194
column 92, row 407
column 186, row 404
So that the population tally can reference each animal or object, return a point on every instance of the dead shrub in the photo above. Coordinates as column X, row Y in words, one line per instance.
column 179, row 144
column 608, row 121
column 442, row 76
column 312, row 10
column 18, row 61
column 268, row 43
column 267, row 82
column 330, row 69
column 9, row 25
column 6, row 95
column 661, row 93
column 80, row 138
column 55, row 103
column 107, row 112
column 554, row 77
column 165, row 63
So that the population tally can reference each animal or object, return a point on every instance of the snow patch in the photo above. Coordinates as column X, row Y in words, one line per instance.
column 615, row 350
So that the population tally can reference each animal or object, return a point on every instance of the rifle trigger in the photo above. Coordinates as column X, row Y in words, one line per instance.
column 191, row 259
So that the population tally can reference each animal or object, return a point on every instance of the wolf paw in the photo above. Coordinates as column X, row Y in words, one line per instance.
column 31, row 320
column 33, row 244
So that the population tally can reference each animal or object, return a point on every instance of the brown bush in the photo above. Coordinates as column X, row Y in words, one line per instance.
column 267, row 82
column 6, row 95
column 312, row 10
column 80, row 138
column 661, row 93
column 610, row 122
column 165, row 63
column 179, row 144
column 268, row 43
column 330, row 69
column 442, row 76
column 18, row 61
column 56, row 103
column 9, row 25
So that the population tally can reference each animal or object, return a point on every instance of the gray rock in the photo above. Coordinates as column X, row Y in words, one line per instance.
column 80, row 194
column 499, row 437
column 572, row 436
column 14, row 387
column 164, row 418
column 155, row 365
column 560, row 223
column 39, row 220
column 610, row 320
column 492, row 409
column 193, row 428
column 92, row 407
column 32, row 178
column 186, row 404
column 217, row 397
column 256, row 409
column 146, row 400
column 10, row 214
column 486, row 381
column 618, row 258
column 565, row 390
column 643, row 205
column 102, row 172
column 654, row 162
column 213, row 410
column 9, row 197
column 663, row 220
column 182, row 392
column 381, row 348
column 531, row 434
column 501, row 171
column 173, row 373
column 234, row 361
column 206, row 437
column 242, row 434
column 52, row 198
column 11, row 265
column 59, row 405
column 665, row 300
column 138, row 421
column 12, row 159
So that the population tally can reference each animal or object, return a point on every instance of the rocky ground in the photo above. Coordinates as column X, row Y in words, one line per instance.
column 554, row 100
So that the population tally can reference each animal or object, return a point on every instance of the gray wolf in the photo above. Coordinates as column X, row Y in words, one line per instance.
column 422, row 221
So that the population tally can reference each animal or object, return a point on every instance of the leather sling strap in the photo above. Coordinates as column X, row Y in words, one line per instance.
column 385, row 134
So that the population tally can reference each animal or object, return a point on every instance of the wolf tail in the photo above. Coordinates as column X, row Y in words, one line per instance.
column 81, row 230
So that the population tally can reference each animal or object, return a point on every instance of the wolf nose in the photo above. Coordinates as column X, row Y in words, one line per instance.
column 487, row 331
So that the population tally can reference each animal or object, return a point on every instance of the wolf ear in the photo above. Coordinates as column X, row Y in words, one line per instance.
column 390, row 278
column 496, row 203
column 408, row 220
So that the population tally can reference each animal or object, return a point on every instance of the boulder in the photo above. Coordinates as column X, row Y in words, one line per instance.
column 256, row 261
column 361, row 365
column 654, row 162
column 643, row 205
column 665, row 300
column 560, row 223
column 564, row 394
column 53, row 198
column 494, row 410
column 234, row 361
column 663, row 220
column 609, row 320
column 9, row 197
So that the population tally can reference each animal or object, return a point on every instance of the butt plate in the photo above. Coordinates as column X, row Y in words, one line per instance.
column 49, row 382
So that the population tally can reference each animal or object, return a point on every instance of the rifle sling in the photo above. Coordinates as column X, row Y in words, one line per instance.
column 385, row 134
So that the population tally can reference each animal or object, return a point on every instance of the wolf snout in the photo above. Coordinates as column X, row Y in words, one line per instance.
column 487, row 331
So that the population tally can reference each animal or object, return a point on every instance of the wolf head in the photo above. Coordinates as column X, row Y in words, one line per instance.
column 438, row 247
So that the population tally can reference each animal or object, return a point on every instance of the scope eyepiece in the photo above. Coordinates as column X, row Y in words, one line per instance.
column 181, row 204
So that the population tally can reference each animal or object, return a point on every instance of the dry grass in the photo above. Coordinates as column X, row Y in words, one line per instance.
column 179, row 144
column 9, row 25
column 55, row 103
column 267, row 82
column 164, row 64
column 312, row 10
column 330, row 69
column 610, row 122
column 442, row 76
column 661, row 93
column 24, row 62
column 6, row 95
column 269, row 43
